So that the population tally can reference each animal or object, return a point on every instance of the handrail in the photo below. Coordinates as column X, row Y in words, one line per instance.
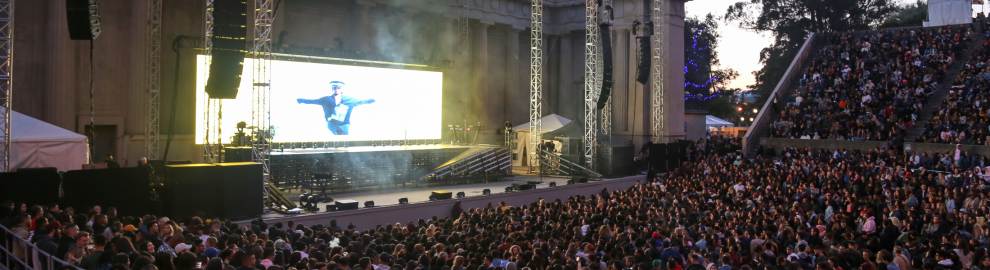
column 18, row 251
column 763, row 117
column 571, row 164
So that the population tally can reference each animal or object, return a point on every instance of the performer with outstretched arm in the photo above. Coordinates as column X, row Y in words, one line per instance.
column 337, row 108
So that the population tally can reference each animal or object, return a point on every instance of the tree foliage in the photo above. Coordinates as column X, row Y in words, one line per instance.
column 790, row 21
column 908, row 15
column 704, row 80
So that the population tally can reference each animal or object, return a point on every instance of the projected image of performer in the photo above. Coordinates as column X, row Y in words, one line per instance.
column 337, row 108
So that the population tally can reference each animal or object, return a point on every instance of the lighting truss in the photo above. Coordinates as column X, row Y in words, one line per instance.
column 212, row 118
column 153, row 71
column 535, row 81
column 6, row 79
column 261, row 109
column 656, row 75
column 592, row 80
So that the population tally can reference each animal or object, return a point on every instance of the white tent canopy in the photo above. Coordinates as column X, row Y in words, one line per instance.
column 548, row 123
column 36, row 144
column 714, row 122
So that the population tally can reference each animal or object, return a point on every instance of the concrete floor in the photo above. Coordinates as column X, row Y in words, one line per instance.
column 390, row 196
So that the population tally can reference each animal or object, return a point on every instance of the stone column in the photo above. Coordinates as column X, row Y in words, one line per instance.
column 624, row 77
column 515, row 92
column 674, row 76
column 482, row 105
column 569, row 102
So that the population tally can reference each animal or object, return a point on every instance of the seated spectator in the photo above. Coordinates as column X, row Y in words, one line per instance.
column 869, row 85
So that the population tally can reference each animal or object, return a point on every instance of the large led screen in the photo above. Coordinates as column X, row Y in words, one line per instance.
column 316, row 102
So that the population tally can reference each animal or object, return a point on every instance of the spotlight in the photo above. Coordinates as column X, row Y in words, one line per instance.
column 460, row 195
column 403, row 200
column 486, row 192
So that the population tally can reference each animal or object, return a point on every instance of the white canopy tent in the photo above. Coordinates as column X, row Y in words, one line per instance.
column 548, row 124
column 36, row 144
column 714, row 122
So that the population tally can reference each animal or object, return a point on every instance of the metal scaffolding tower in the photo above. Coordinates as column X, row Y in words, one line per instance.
column 592, row 80
column 6, row 79
column 212, row 117
column 656, row 75
column 261, row 76
column 153, row 71
column 535, row 81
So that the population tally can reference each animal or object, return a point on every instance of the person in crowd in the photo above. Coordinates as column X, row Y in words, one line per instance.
column 792, row 209
column 868, row 85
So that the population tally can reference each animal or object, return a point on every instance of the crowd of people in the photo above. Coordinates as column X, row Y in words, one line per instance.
column 964, row 117
column 799, row 209
column 868, row 85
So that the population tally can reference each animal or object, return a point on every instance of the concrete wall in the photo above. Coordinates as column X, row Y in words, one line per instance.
column 486, row 78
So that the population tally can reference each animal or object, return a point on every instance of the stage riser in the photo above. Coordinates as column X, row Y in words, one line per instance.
column 360, row 169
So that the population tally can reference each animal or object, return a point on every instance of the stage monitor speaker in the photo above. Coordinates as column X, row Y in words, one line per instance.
column 369, row 204
column 83, row 17
column 486, row 192
column 461, row 195
column 606, row 91
column 226, row 190
column 526, row 186
column 346, row 205
column 229, row 45
column 441, row 195
column 403, row 200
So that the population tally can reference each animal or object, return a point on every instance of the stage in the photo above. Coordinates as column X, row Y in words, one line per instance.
column 356, row 168
column 387, row 210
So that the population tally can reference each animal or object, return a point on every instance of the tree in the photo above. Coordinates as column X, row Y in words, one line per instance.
column 908, row 15
column 704, row 81
column 790, row 21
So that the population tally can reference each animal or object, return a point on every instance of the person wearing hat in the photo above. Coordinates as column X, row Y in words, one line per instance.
column 337, row 108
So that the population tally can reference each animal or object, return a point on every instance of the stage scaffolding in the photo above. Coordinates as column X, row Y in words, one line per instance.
column 535, row 81
column 656, row 75
column 261, row 109
column 592, row 80
column 212, row 118
column 6, row 79
column 153, row 73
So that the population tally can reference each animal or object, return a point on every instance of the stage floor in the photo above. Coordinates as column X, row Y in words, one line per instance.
column 384, row 197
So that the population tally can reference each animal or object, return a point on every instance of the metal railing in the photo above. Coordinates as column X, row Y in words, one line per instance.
column 19, row 253
column 555, row 164
column 486, row 161
column 785, row 86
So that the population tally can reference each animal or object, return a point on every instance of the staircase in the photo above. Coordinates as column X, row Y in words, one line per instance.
column 477, row 161
column 555, row 165
column 934, row 102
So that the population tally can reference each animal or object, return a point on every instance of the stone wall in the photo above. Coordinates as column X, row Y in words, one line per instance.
column 486, row 78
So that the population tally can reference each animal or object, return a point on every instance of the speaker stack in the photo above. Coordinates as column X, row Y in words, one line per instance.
column 229, row 44
column 83, row 17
